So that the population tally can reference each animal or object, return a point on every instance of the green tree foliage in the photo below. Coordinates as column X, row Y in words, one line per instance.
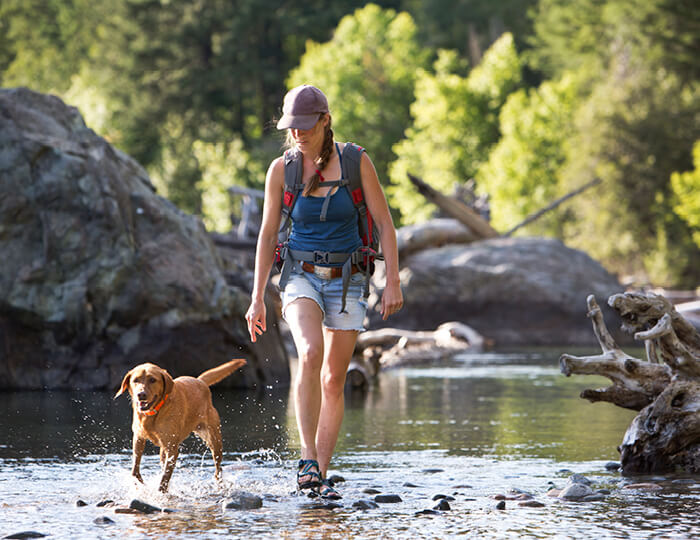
column 523, row 171
column 634, row 125
column 455, row 124
column 43, row 43
column 686, row 191
column 224, row 165
column 469, row 26
column 367, row 71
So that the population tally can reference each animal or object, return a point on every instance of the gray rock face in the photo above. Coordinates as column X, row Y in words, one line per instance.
column 517, row 291
column 99, row 273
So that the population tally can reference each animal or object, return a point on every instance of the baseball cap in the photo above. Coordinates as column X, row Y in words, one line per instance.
column 302, row 107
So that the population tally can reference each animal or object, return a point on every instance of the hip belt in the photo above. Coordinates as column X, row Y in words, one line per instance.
column 327, row 272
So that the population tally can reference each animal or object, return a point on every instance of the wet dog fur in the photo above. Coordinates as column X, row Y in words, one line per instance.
column 167, row 410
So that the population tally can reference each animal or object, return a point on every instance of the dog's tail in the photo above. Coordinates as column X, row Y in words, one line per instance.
column 214, row 375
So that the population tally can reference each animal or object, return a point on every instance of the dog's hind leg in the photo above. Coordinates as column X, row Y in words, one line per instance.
column 211, row 435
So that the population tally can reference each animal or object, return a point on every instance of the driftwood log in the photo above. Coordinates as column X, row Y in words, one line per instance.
column 665, row 388
column 391, row 347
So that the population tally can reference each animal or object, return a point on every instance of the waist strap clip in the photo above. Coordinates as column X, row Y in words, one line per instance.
column 321, row 257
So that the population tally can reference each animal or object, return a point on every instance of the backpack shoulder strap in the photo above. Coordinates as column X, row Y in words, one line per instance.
column 292, row 184
column 351, row 159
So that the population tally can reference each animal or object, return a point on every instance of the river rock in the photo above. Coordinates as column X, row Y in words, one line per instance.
column 516, row 291
column 364, row 504
column 578, row 479
column 242, row 501
column 143, row 507
column 100, row 273
column 26, row 534
column 388, row 499
column 442, row 505
column 103, row 520
column 575, row 492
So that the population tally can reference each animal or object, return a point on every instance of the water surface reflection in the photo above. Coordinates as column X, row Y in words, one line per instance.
column 470, row 428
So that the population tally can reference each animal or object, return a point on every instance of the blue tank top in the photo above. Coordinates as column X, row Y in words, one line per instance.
column 338, row 234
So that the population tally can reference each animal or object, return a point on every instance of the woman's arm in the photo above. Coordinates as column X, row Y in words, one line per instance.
column 392, row 298
column 265, row 250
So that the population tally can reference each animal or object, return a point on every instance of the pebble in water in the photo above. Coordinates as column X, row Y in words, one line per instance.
column 364, row 504
column 442, row 505
column 242, row 501
column 388, row 499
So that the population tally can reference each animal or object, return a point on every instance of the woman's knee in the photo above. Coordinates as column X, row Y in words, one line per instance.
column 333, row 383
column 310, row 356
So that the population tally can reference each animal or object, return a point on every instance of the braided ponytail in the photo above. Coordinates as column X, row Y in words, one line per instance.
column 322, row 161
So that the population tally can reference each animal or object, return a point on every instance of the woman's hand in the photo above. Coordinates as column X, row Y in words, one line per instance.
column 255, row 317
column 392, row 299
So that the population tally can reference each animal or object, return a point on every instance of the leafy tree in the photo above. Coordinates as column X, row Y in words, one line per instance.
column 367, row 71
column 523, row 171
column 686, row 191
column 469, row 26
column 43, row 43
column 223, row 165
column 633, row 132
column 455, row 124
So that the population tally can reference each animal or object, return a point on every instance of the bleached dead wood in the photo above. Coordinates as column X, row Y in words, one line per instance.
column 665, row 388
column 390, row 347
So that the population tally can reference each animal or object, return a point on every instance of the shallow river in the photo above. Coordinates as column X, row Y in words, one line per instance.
column 477, row 427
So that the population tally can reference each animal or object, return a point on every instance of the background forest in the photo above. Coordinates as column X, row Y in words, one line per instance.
column 530, row 99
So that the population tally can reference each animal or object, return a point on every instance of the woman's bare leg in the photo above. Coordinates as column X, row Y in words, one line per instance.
column 304, row 318
column 339, row 346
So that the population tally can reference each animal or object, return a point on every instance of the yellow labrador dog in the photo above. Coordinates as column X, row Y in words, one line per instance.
column 167, row 410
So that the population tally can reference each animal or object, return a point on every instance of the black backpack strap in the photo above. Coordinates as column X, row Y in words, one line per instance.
column 292, row 188
column 350, row 161
column 292, row 185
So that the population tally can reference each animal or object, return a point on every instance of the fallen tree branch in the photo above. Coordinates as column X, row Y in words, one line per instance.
column 455, row 208
column 551, row 206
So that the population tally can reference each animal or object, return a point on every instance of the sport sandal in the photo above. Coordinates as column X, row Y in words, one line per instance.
column 308, row 475
column 327, row 491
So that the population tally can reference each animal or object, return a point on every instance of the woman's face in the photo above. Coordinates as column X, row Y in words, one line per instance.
column 310, row 139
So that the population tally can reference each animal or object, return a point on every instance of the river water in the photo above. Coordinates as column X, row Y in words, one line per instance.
column 473, row 428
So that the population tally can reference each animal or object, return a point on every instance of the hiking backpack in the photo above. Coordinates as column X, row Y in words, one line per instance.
column 351, row 179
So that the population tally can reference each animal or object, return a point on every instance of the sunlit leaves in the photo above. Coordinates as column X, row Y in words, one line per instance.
column 455, row 124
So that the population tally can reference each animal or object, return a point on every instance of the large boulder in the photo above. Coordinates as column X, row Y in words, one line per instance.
column 516, row 291
column 99, row 273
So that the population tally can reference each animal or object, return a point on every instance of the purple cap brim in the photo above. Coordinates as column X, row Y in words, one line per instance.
column 298, row 121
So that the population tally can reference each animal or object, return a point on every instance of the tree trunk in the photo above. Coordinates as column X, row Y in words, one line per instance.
column 665, row 388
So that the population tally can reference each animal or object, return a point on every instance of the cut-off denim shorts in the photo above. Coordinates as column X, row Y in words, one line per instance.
column 328, row 294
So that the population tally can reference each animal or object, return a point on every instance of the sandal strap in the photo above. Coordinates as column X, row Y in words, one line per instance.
column 306, row 468
column 327, row 491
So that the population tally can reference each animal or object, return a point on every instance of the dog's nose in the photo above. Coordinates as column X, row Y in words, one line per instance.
column 142, row 396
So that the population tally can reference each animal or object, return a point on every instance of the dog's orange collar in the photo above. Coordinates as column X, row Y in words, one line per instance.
column 155, row 409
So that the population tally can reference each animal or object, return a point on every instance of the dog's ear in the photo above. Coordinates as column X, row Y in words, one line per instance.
column 168, row 382
column 125, row 384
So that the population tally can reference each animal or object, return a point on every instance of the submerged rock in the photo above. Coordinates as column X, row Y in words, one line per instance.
column 242, row 501
column 364, row 504
column 388, row 499
column 26, row 534
column 143, row 507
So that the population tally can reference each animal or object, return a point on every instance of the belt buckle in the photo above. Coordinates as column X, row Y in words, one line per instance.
column 324, row 272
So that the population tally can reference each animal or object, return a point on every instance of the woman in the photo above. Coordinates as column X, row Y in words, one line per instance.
column 323, row 332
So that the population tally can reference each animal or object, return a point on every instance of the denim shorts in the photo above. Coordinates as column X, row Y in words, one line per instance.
column 328, row 294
